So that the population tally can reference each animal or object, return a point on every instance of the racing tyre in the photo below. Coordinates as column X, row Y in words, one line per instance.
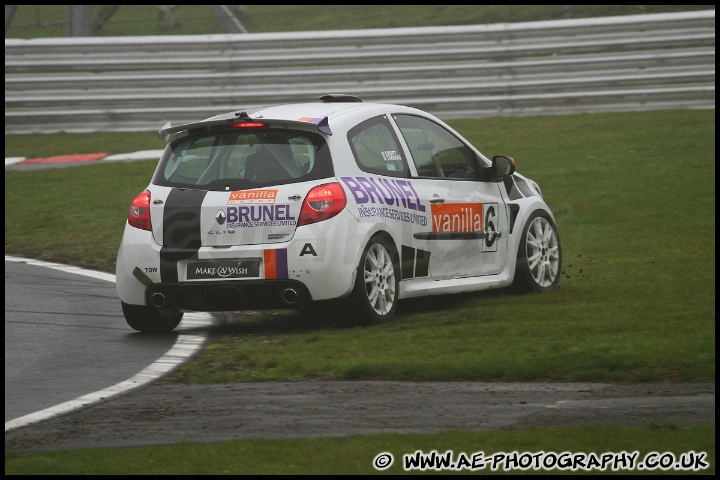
column 151, row 320
column 539, row 258
column 375, row 295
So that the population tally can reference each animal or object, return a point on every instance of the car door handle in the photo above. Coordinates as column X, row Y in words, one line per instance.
column 436, row 199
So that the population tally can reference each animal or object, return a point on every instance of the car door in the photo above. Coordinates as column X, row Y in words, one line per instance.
column 467, row 234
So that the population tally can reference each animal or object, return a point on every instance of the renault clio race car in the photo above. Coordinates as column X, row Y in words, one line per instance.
column 360, row 204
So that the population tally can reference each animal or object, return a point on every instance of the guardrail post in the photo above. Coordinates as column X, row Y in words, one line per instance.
column 80, row 21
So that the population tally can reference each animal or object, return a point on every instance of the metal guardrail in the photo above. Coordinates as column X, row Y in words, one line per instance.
column 638, row 62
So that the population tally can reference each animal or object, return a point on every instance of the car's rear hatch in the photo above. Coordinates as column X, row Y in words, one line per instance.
column 237, row 186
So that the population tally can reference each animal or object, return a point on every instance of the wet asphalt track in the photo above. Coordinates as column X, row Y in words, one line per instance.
column 67, row 344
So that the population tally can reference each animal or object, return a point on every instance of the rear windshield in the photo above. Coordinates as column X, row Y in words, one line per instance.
column 230, row 160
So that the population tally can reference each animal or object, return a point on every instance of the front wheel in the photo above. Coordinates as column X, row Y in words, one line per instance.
column 375, row 296
column 151, row 320
column 539, row 258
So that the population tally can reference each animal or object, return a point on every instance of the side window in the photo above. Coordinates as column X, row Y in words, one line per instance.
column 436, row 152
column 377, row 149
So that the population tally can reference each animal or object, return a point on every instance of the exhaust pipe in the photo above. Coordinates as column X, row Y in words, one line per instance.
column 289, row 296
column 158, row 300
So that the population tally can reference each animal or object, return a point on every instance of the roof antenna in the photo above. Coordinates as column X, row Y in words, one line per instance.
column 243, row 116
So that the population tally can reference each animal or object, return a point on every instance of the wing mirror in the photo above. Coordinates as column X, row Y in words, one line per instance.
column 502, row 166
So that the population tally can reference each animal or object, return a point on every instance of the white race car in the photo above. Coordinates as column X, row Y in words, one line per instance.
column 360, row 204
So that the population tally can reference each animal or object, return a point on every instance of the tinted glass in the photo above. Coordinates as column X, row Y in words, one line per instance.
column 230, row 160
column 377, row 149
column 435, row 151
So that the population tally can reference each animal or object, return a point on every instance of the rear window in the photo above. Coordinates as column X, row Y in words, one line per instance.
column 230, row 160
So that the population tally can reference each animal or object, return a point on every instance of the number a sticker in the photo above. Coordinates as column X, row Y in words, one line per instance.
column 312, row 250
column 307, row 250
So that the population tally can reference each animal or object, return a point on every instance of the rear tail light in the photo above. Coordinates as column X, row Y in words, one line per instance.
column 321, row 203
column 139, row 214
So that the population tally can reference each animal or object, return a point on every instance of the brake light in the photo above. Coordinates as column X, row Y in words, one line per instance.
column 321, row 203
column 139, row 214
column 249, row 125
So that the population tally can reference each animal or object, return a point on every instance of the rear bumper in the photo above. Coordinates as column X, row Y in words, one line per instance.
column 319, row 263
column 228, row 296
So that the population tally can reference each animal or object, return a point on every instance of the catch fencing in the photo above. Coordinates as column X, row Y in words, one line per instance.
column 624, row 63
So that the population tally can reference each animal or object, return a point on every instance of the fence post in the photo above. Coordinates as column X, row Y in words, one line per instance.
column 80, row 21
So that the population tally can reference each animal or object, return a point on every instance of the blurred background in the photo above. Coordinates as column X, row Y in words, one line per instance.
column 41, row 21
column 82, row 68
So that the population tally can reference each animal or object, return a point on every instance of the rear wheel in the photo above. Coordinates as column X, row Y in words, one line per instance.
column 151, row 320
column 375, row 295
column 539, row 259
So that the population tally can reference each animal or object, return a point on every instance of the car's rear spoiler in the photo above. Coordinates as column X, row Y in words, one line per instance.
column 169, row 132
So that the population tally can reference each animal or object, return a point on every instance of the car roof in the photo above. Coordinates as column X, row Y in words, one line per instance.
column 336, row 108
column 295, row 111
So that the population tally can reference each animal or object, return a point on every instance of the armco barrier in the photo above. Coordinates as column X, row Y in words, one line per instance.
column 637, row 62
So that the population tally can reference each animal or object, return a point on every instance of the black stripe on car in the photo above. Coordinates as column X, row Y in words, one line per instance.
column 181, row 230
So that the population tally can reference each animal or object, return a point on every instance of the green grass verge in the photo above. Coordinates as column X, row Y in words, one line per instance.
column 354, row 455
